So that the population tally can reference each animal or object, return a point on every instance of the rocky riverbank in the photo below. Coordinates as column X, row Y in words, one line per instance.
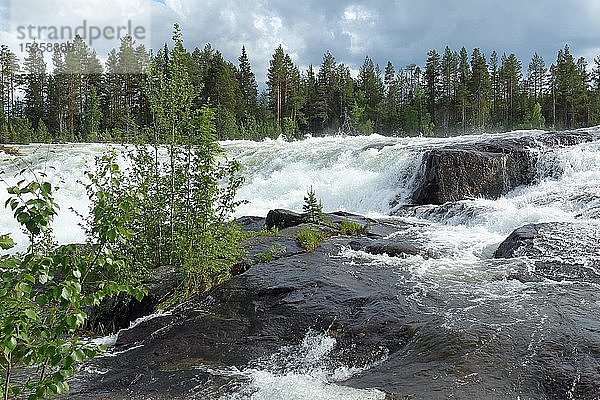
column 275, row 302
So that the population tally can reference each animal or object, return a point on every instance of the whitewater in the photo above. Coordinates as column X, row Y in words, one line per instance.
column 375, row 176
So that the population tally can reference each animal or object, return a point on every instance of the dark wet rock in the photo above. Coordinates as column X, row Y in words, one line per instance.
column 118, row 312
column 282, row 219
column 489, row 174
column 520, row 238
column 559, row 251
column 251, row 223
column 388, row 247
column 269, row 248
column 252, row 316
column 486, row 169
column 409, row 332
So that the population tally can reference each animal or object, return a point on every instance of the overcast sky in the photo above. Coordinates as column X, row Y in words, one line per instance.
column 401, row 31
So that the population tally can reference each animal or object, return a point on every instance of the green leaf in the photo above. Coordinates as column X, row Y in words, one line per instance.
column 78, row 356
column 11, row 344
column 31, row 314
column 66, row 293
column 6, row 242
column 46, row 188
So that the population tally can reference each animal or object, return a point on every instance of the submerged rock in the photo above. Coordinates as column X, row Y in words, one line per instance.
column 558, row 251
column 388, row 247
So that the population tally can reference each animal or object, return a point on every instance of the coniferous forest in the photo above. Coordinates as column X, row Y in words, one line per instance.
column 77, row 99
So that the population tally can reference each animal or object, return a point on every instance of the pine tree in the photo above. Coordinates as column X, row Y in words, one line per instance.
column 36, row 85
column 596, row 92
column 464, row 79
column 510, row 77
column 248, row 86
column 494, row 70
column 480, row 89
column 93, row 115
column 277, row 82
column 536, row 75
column 129, row 78
column 313, row 209
column 432, row 78
column 9, row 74
column 449, row 83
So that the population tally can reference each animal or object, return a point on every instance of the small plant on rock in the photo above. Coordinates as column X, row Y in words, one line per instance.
column 313, row 209
column 310, row 239
column 272, row 253
column 350, row 228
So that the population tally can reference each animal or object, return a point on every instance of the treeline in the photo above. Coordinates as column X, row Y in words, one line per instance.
column 79, row 99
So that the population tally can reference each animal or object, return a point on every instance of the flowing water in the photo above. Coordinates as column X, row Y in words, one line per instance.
column 512, row 331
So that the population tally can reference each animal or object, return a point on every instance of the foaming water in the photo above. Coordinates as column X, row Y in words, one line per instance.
column 363, row 174
column 62, row 165
column 306, row 371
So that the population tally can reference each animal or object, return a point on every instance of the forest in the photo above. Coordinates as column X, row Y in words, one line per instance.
column 77, row 99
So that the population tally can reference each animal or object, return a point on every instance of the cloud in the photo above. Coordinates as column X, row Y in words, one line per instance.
column 401, row 31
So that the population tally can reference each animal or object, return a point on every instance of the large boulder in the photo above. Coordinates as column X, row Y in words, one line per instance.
column 282, row 219
column 487, row 169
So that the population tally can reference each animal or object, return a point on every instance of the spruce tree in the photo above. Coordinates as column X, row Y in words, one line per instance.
column 36, row 88
column 248, row 86
column 313, row 209
column 327, row 87
column 432, row 78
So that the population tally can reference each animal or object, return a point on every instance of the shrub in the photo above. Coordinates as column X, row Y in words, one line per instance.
column 43, row 293
column 350, row 228
column 310, row 239
column 271, row 253
column 185, row 186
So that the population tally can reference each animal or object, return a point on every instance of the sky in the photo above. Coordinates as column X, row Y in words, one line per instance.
column 400, row 31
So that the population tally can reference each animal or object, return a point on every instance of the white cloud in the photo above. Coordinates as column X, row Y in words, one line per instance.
column 401, row 31
column 358, row 23
column 99, row 22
